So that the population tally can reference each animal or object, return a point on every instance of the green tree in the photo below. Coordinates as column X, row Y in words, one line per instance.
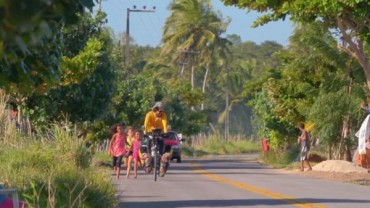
column 192, row 35
column 234, row 39
column 249, row 69
column 30, row 41
column 350, row 18
column 315, row 79
column 86, row 87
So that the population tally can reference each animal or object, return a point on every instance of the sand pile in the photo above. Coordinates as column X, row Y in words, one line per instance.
column 340, row 166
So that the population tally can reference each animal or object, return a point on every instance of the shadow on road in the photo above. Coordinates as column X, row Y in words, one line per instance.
column 220, row 164
column 233, row 202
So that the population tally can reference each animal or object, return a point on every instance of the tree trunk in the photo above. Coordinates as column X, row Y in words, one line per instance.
column 343, row 147
column 192, row 82
column 182, row 71
column 354, row 47
column 204, row 84
column 227, row 107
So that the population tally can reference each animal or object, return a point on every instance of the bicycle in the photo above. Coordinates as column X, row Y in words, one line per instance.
column 153, row 147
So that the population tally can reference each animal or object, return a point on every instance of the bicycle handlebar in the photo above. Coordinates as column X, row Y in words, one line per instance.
column 151, row 136
column 156, row 133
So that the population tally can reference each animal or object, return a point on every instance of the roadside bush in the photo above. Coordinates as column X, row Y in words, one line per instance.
column 71, row 187
column 217, row 145
column 52, row 170
column 280, row 159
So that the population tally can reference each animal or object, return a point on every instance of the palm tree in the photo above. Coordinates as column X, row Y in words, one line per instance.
column 192, row 35
column 218, row 51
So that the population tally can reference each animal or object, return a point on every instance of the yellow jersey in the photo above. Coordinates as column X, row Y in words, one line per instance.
column 153, row 122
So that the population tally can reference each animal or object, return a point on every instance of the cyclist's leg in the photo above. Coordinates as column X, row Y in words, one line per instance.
column 167, row 153
column 147, row 163
column 165, row 158
column 164, row 151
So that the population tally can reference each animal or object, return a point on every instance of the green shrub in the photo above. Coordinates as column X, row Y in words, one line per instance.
column 217, row 145
column 52, row 170
column 71, row 187
column 281, row 159
column 102, row 159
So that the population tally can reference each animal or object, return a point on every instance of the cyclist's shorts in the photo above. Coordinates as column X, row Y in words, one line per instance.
column 167, row 148
column 164, row 148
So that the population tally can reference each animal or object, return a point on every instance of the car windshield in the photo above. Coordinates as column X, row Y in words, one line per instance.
column 171, row 136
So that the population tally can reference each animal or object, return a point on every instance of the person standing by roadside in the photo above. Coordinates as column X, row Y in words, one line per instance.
column 304, row 141
column 265, row 145
column 117, row 148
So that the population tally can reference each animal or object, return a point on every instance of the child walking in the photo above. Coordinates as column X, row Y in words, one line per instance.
column 129, row 149
column 136, row 153
column 117, row 148
column 129, row 139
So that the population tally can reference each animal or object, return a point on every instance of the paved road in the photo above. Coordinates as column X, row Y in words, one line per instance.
column 235, row 181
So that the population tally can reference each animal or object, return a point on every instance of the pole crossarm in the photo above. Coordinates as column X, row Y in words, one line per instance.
column 139, row 10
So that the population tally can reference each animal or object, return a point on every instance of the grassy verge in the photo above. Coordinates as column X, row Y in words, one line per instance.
column 218, row 146
column 52, row 171
column 55, row 173
column 288, row 159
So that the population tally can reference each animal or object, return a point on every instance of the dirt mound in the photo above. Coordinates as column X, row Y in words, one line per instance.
column 316, row 158
column 339, row 166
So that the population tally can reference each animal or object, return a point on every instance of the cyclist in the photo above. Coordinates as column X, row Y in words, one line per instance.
column 156, row 118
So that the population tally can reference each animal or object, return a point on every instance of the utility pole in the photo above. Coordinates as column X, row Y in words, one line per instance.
column 99, row 3
column 127, row 52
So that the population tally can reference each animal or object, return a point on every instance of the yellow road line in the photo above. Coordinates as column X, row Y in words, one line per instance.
column 264, row 192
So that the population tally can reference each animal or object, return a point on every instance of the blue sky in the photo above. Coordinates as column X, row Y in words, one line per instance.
column 146, row 28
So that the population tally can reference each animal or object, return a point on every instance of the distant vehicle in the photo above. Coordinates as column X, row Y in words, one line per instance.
column 175, row 142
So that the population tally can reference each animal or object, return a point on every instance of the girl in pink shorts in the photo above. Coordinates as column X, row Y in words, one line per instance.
column 136, row 151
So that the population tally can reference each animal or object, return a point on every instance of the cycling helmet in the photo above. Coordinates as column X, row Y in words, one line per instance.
column 158, row 105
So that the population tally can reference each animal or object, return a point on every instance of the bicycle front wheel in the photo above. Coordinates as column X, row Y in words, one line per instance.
column 156, row 170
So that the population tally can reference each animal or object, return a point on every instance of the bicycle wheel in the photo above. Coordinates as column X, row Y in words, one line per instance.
column 155, row 165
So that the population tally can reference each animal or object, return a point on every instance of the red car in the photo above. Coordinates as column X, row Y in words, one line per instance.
column 175, row 142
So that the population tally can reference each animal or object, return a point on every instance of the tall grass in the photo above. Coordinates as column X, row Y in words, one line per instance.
column 286, row 159
column 51, row 170
column 216, row 144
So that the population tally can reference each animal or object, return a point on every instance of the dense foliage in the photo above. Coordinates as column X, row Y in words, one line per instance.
column 347, row 19
column 30, row 41
column 69, row 65
column 53, row 170
column 86, row 87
